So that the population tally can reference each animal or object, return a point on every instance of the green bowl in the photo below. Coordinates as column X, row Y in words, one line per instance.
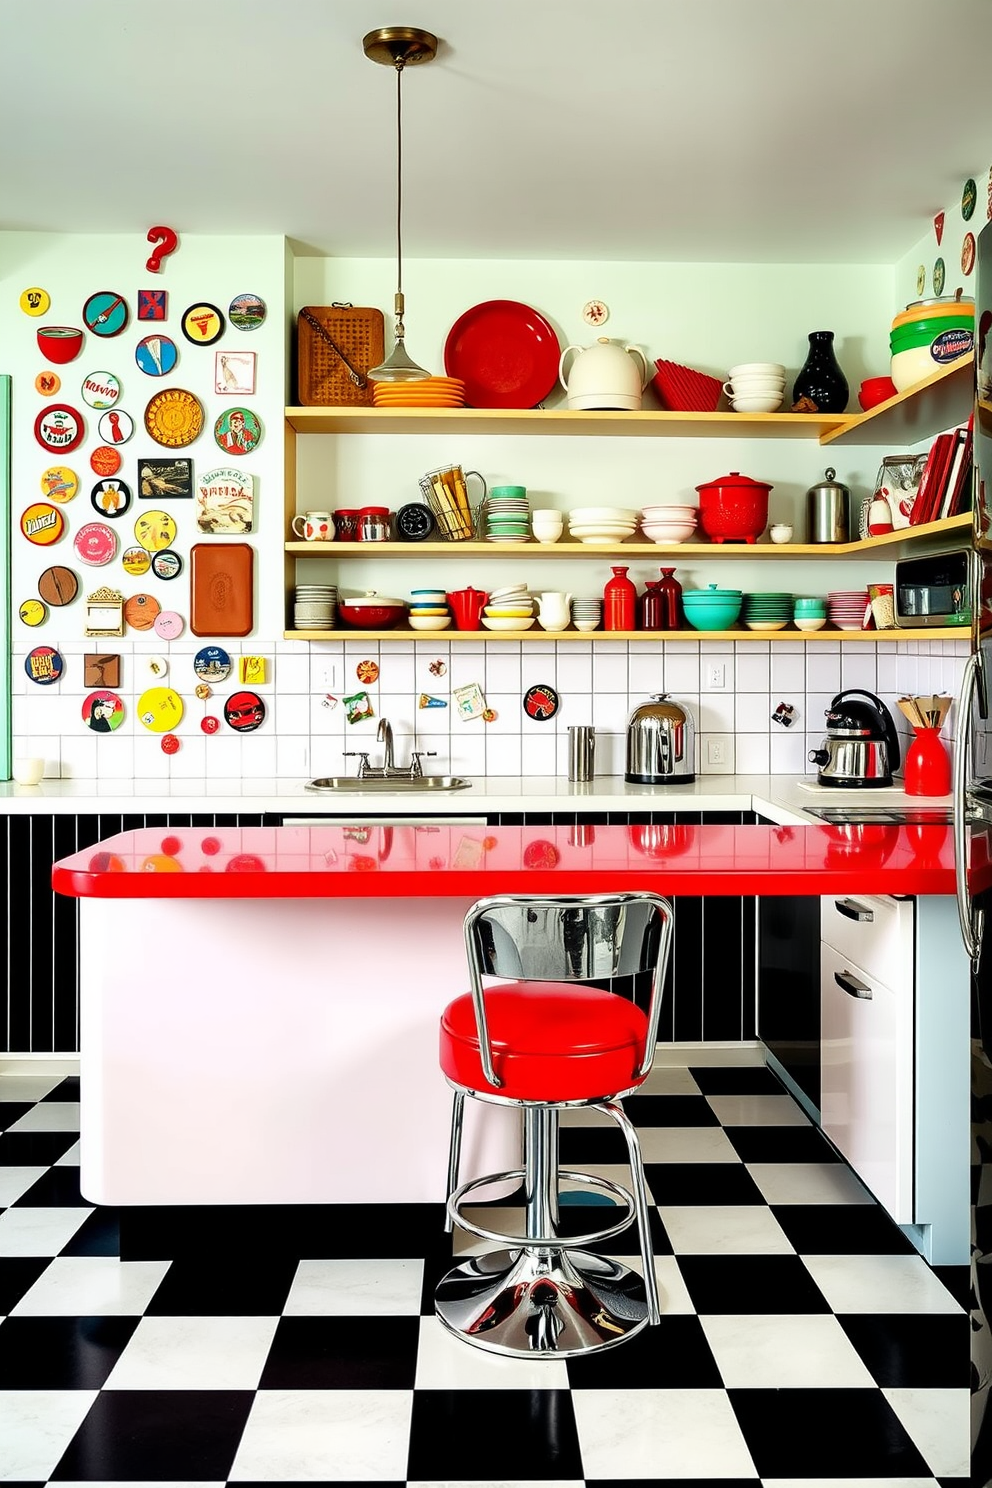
column 712, row 615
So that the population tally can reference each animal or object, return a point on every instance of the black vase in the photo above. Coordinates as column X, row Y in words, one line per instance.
column 820, row 379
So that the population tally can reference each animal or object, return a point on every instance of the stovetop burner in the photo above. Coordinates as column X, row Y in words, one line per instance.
column 900, row 816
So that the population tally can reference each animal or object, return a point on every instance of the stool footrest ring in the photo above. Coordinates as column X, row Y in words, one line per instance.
column 589, row 1180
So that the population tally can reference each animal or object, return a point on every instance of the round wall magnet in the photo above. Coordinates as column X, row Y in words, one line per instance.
column 105, row 313
column 59, row 483
column 174, row 418
column 105, row 460
column 202, row 324
column 367, row 671
column 169, row 625
column 921, row 279
column 136, row 561
column 595, row 313
column 167, row 564
column 101, row 389
column 111, row 498
column 156, row 355
column 209, row 724
column 237, row 431
column 47, row 384
column 969, row 196
column 43, row 665
column 160, row 709
column 155, row 530
column 141, row 611
column 116, row 427
column 103, row 711
column 59, row 427
column 938, row 276
column 95, row 543
column 170, row 744
column 212, row 664
column 58, row 586
column 244, row 711
column 968, row 253
column 246, row 312
column 152, row 668
column 33, row 612
column 35, row 301
column 42, row 524
column 541, row 702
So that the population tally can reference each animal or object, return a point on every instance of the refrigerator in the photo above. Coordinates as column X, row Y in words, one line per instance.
column 972, row 850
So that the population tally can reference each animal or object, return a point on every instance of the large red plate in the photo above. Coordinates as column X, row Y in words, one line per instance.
column 506, row 353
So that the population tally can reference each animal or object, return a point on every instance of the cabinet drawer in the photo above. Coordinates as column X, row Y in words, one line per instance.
column 866, row 1072
column 874, row 930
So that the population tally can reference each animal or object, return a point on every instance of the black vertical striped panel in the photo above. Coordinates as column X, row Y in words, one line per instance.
column 39, row 976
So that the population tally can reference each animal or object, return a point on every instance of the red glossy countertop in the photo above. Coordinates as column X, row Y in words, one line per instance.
column 346, row 862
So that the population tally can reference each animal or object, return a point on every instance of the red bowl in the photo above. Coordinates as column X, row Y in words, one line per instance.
column 371, row 616
column 875, row 390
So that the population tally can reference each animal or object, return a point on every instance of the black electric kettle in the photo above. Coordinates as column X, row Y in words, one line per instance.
column 861, row 747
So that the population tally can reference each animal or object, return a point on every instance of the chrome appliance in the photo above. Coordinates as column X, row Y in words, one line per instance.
column 661, row 747
column 861, row 747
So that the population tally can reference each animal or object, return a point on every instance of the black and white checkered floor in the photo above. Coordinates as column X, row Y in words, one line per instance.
column 803, row 1340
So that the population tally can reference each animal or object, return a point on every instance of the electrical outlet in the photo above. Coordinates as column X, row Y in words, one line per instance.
column 327, row 676
column 716, row 674
column 715, row 752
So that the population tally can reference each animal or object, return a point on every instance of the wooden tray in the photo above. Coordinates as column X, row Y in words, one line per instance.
column 220, row 589
column 323, row 379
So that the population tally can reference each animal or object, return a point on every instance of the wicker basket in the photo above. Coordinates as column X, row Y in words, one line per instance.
column 683, row 390
column 334, row 356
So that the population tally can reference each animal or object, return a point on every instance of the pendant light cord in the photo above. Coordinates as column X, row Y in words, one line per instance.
column 399, row 178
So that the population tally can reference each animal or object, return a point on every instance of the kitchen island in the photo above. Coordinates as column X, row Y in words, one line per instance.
column 289, row 980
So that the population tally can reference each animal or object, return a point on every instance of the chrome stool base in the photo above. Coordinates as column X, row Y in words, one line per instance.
column 548, row 1303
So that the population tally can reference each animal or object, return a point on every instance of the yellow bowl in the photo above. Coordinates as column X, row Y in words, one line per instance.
column 508, row 612
column 498, row 622
column 429, row 622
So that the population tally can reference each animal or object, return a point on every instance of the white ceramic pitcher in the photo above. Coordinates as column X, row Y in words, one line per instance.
column 554, row 610
column 604, row 376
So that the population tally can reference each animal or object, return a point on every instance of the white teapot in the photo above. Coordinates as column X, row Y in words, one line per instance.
column 554, row 610
column 604, row 376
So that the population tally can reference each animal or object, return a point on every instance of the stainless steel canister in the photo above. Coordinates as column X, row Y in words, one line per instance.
column 660, row 743
column 828, row 511
column 581, row 752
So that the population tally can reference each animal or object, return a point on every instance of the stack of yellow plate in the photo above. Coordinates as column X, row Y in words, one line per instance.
column 429, row 392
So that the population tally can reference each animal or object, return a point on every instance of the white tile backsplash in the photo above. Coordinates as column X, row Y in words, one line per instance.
column 599, row 681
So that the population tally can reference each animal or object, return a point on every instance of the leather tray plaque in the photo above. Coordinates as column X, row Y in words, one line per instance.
column 221, row 577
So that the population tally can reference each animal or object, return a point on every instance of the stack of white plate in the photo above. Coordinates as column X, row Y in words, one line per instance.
column 602, row 524
column 315, row 607
column 846, row 608
column 507, row 519
column 509, row 608
column 587, row 613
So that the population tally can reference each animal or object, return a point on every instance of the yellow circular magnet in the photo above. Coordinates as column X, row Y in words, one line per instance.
column 33, row 612
column 59, row 483
column 35, row 301
column 160, row 709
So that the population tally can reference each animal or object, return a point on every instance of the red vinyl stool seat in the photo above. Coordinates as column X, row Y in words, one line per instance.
column 542, row 1039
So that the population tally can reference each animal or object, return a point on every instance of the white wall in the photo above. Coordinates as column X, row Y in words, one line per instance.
column 706, row 316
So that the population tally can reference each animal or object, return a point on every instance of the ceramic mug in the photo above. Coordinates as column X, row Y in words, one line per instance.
column 28, row 770
column 314, row 526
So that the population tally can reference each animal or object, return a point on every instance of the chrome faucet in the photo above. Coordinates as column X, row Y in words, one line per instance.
column 388, row 770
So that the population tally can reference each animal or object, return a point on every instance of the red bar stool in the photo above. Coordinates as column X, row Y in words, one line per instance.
column 543, row 1040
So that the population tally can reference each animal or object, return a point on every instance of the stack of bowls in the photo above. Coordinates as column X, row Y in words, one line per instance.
column 846, row 608
column 602, row 524
column 429, row 609
column 314, row 607
column 547, row 524
column 712, row 608
column 507, row 515
column 587, row 614
column 809, row 613
column 509, row 608
column 756, row 387
column 929, row 334
column 769, row 610
column 669, row 525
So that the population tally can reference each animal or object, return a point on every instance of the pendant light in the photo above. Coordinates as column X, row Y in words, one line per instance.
column 399, row 47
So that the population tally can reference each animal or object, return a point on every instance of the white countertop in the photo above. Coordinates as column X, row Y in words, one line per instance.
column 782, row 798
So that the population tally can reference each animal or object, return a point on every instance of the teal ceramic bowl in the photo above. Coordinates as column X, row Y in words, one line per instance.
column 707, row 612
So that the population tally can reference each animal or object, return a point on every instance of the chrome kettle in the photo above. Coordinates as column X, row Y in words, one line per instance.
column 661, row 743
column 861, row 748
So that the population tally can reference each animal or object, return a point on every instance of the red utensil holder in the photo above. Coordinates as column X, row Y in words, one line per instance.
column 928, row 765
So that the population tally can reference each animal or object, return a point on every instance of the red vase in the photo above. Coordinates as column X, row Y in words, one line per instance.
column 620, row 602
column 671, row 600
column 928, row 766
column 649, row 607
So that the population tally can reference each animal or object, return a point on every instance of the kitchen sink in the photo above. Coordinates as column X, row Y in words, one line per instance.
column 378, row 785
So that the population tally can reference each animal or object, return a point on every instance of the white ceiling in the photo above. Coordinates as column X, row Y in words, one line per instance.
column 678, row 130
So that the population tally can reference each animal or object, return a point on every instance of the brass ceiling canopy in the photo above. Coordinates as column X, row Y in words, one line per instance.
column 400, row 46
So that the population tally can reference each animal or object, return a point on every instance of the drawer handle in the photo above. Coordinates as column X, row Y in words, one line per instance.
column 854, row 911
column 851, row 985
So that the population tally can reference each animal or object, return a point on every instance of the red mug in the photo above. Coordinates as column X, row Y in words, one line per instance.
column 346, row 525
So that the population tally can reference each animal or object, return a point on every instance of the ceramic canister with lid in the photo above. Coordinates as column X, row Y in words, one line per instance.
column 828, row 510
